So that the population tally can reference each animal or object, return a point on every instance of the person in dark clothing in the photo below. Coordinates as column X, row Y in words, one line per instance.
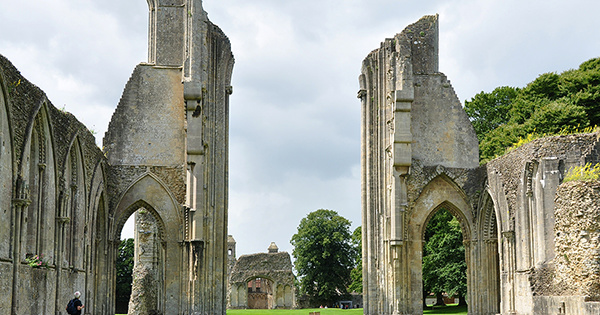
column 78, row 305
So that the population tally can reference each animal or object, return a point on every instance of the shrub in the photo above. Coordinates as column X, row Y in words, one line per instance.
column 584, row 173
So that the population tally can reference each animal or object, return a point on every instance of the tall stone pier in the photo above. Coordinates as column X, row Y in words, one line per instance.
column 167, row 145
column 418, row 152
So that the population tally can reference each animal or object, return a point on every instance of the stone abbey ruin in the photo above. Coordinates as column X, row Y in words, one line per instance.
column 165, row 152
column 531, row 241
column 532, row 244
column 261, row 280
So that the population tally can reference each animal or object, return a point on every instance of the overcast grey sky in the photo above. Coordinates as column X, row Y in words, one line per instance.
column 295, row 118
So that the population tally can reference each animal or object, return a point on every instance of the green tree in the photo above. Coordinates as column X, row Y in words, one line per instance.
column 444, row 265
column 356, row 273
column 547, row 105
column 124, row 266
column 488, row 111
column 582, row 86
column 324, row 256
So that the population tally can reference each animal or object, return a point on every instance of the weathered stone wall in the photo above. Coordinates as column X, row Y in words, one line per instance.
column 571, row 150
column 48, row 164
column 577, row 241
column 147, row 128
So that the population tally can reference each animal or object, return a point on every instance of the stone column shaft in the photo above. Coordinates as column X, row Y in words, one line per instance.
column 20, row 204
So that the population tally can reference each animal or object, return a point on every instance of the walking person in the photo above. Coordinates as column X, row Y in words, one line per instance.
column 75, row 306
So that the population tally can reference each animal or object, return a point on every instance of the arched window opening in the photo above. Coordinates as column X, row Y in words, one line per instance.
column 38, row 234
column 75, row 207
column 35, row 160
column 6, row 169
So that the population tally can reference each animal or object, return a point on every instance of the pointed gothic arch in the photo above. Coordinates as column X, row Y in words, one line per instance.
column 440, row 192
column 38, row 168
column 75, row 205
column 150, row 190
column 7, row 179
column 150, row 193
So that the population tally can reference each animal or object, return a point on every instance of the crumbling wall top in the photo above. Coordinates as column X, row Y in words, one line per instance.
column 420, row 41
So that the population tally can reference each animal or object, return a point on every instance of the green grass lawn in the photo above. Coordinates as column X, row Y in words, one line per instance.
column 448, row 309
column 304, row 311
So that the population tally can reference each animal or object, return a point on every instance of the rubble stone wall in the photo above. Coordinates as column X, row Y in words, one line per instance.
column 575, row 270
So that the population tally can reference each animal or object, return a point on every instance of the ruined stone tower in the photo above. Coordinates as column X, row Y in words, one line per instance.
column 167, row 145
column 530, row 244
column 414, row 134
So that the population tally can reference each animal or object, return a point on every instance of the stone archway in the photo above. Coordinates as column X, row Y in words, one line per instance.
column 485, row 260
column 439, row 193
column 275, row 288
column 150, row 194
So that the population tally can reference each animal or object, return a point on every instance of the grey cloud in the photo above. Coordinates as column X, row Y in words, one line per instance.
column 295, row 119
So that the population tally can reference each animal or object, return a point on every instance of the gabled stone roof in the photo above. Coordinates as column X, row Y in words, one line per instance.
column 276, row 267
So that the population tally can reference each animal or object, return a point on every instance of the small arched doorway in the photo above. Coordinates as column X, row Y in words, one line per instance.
column 460, row 219
column 480, row 239
column 260, row 293
column 479, row 229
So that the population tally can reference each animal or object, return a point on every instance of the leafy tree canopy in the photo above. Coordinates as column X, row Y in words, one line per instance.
column 324, row 256
column 549, row 104
column 444, row 266
column 124, row 266
column 356, row 273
